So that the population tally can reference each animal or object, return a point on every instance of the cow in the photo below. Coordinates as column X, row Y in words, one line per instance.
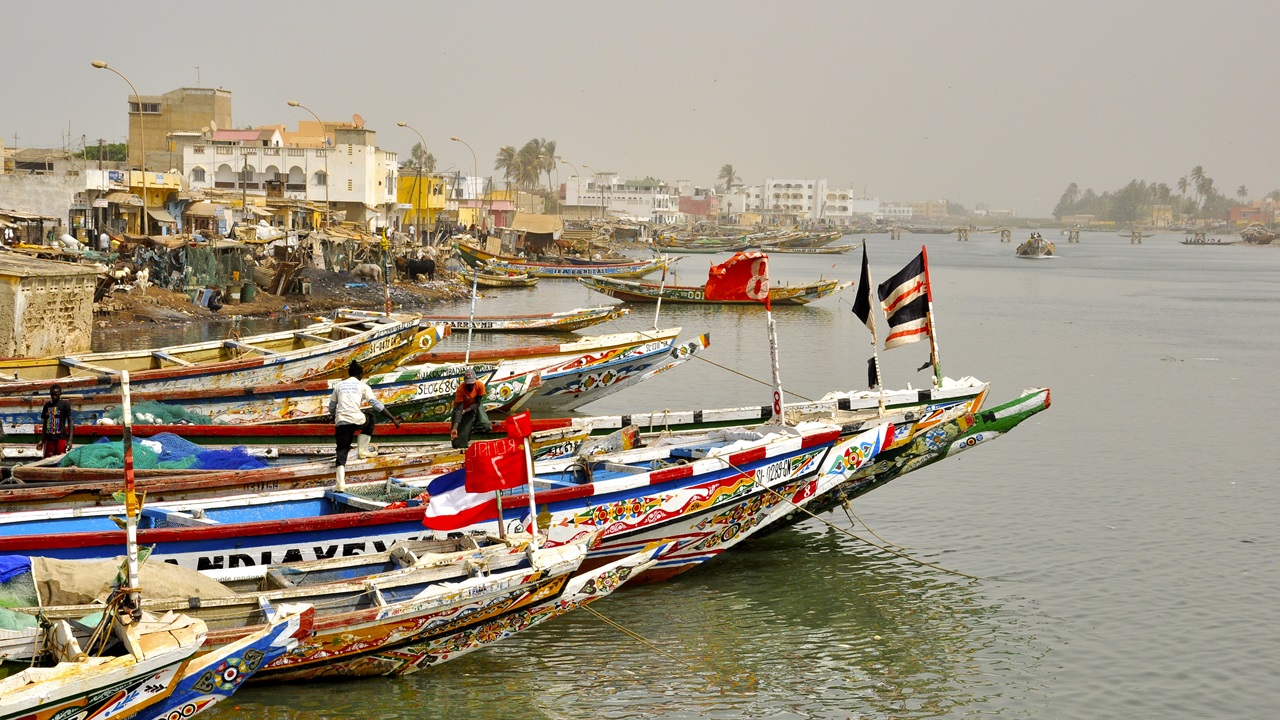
column 367, row 272
column 411, row 268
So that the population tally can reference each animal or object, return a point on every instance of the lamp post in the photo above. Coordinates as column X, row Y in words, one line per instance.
column 577, row 176
column 599, row 192
column 327, row 179
column 475, row 166
column 475, row 277
column 423, row 140
column 142, row 140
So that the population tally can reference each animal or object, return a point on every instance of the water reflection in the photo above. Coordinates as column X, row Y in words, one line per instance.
column 804, row 623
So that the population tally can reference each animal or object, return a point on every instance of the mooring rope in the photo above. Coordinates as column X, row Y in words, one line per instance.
column 637, row 637
column 833, row 526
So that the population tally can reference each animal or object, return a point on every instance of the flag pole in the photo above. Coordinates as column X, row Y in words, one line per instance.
column 933, row 336
column 471, row 322
column 661, row 288
column 533, row 505
column 131, row 504
column 778, row 415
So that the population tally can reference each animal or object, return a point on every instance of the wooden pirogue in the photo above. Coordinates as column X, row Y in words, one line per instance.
column 318, row 351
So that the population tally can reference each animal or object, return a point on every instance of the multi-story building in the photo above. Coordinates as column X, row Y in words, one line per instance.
column 792, row 200
column 154, row 118
column 338, row 167
column 605, row 195
column 928, row 209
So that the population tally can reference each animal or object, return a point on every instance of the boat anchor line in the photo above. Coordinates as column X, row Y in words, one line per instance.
column 851, row 534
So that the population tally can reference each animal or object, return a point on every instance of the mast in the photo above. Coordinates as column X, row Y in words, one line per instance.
column 933, row 335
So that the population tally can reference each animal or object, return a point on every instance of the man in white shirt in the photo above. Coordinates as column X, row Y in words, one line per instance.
column 349, row 420
column 104, row 241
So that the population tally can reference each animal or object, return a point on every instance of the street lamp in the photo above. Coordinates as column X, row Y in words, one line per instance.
column 142, row 140
column 327, row 180
column 418, row 214
column 475, row 270
column 577, row 177
column 599, row 191
column 475, row 166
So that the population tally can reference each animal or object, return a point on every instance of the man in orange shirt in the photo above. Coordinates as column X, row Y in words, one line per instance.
column 468, row 410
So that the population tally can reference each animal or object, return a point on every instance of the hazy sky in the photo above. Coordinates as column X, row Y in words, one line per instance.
column 996, row 102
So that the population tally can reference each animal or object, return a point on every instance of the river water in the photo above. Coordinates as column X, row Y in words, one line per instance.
column 1124, row 541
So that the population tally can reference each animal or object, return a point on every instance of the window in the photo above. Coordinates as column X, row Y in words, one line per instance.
column 321, row 179
column 149, row 108
column 349, row 184
column 197, row 175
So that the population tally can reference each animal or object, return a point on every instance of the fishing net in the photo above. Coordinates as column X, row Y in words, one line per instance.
column 165, row 451
column 154, row 412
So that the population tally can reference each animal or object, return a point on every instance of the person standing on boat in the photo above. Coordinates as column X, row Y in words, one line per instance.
column 468, row 411
column 56, row 424
column 349, row 421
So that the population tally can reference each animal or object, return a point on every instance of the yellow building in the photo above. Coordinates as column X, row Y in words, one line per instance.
column 158, row 189
column 421, row 199
column 154, row 117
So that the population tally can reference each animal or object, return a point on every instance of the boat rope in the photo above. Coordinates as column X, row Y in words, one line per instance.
column 637, row 637
column 853, row 516
column 848, row 532
column 768, row 383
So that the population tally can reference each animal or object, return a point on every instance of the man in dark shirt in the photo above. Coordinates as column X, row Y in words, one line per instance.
column 56, row 425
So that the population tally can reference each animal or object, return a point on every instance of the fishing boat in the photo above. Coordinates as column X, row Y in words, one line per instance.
column 242, row 534
column 119, row 686
column 399, row 611
column 154, row 656
column 949, row 432
column 846, row 407
column 1035, row 248
column 638, row 292
column 492, row 279
column 1206, row 241
column 563, row 321
column 475, row 256
column 319, row 351
column 46, row 485
column 584, row 369
column 819, row 250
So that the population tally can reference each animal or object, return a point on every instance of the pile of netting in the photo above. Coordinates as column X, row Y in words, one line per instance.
column 164, row 451
column 154, row 412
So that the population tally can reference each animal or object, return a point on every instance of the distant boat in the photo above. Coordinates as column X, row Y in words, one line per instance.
column 1210, row 241
column 1035, row 248
column 821, row 250
column 474, row 256
column 638, row 292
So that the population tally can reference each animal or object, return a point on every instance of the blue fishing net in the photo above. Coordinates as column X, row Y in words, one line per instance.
column 236, row 458
column 175, row 453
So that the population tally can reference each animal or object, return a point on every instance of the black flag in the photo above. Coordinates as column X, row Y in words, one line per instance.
column 862, row 302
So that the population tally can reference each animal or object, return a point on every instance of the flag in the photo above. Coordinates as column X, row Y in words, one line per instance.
column 451, row 507
column 494, row 465
column 862, row 302
column 467, row 496
column 905, row 299
column 745, row 276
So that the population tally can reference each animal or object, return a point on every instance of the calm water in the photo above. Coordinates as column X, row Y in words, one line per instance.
column 1126, row 539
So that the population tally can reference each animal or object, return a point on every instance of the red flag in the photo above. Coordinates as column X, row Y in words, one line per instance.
column 494, row 465
column 745, row 276
column 519, row 426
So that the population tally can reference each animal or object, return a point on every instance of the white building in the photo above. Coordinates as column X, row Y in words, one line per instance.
column 345, row 168
column 646, row 200
column 793, row 199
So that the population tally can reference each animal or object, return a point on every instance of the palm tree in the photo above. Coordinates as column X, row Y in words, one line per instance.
column 729, row 176
column 1242, row 192
column 529, row 164
column 1183, row 185
column 547, row 158
column 508, row 162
